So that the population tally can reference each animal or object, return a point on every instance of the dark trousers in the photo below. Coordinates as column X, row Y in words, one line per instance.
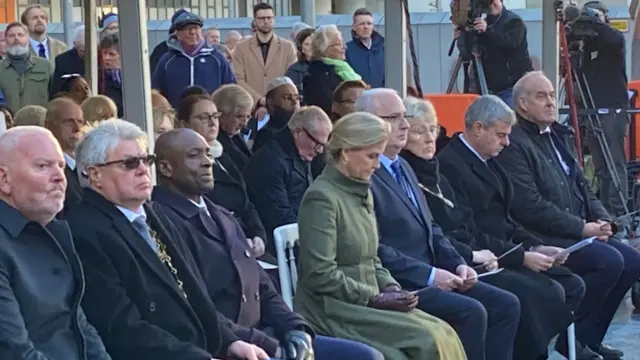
column 571, row 288
column 608, row 270
column 614, row 129
column 485, row 318
column 328, row 348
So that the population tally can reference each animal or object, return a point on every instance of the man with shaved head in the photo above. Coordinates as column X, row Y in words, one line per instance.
column 41, row 279
column 553, row 200
column 239, row 288
column 65, row 120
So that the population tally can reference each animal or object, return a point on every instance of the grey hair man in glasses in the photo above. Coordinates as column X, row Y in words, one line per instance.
column 143, row 295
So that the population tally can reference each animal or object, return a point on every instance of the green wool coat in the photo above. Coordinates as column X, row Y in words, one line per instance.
column 340, row 272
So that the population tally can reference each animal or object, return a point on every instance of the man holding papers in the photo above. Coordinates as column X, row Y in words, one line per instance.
column 418, row 255
column 553, row 200
column 482, row 194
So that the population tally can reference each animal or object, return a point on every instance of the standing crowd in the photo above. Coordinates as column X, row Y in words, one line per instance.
column 405, row 251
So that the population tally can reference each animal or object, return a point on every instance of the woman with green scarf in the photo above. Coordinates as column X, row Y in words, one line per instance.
column 327, row 68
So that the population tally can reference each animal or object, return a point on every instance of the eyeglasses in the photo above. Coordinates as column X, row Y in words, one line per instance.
column 208, row 119
column 319, row 145
column 131, row 163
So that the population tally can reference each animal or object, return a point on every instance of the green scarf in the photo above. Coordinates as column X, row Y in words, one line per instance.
column 343, row 69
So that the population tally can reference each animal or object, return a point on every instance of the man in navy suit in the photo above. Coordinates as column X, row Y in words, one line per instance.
column 419, row 256
column 239, row 288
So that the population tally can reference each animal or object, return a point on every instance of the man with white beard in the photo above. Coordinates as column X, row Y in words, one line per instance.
column 24, row 78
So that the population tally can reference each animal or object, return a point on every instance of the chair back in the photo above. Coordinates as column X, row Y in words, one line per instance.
column 286, row 238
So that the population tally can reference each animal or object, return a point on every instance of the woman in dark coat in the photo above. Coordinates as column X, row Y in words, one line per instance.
column 303, row 44
column 543, row 315
column 327, row 68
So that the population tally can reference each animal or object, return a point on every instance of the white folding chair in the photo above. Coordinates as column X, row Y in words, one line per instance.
column 285, row 238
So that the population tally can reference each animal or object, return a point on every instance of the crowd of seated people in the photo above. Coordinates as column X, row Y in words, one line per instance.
column 402, row 254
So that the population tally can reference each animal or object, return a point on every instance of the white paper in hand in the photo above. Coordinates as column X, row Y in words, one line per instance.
column 575, row 247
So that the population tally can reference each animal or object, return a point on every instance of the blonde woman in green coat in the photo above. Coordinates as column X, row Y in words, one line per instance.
column 343, row 290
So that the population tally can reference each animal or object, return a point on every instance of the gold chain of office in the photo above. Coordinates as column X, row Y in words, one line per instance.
column 165, row 258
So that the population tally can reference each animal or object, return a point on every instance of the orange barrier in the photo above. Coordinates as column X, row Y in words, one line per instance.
column 632, row 145
column 7, row 11
column 450, row 109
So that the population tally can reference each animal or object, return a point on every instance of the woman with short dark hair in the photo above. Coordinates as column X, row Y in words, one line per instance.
column 110, row 74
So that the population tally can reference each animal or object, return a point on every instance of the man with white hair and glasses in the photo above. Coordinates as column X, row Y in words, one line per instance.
column 142, row 296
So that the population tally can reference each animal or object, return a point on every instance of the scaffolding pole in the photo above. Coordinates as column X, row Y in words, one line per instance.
column 91, row 45
column 308, row 12
column 67, row 22
column 395, row 54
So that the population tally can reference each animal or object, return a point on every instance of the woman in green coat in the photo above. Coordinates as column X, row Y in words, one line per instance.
column 343, row 290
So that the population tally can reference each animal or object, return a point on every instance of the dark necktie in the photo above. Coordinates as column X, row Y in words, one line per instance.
column 397, row 174
column 41, row 52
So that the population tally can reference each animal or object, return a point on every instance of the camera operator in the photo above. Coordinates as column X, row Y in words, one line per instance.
column 604, row 66
column 502, row 36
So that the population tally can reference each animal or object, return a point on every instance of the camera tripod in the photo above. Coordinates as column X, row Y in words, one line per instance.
column 473, row 59
column 572, row 64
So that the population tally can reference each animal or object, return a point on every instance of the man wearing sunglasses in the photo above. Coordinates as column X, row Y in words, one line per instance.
column 141, row 295
column 280, row 172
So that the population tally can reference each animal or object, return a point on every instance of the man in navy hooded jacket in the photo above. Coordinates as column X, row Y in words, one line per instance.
column 189, row 61
column 365, row 53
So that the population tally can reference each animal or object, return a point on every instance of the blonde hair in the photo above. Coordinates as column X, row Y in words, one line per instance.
column 159, row 115
column 229, row 98
column 420, row 111
column 356, row 131
column 321, row 40
column 30, row 115
column 98, row 108
column 310, row 118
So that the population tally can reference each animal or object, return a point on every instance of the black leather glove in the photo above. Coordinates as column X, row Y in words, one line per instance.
column 297, row 345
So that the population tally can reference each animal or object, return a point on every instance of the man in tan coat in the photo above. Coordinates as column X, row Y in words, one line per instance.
column 264, row 56
column 35, row 19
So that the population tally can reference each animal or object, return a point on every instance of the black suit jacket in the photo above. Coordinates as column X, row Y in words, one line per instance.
column 230, row 192
column 69, row 62
column 238, row 286
column 131, row 297
column 236, row 147
column 484, row 194
column 410, row 244
column 73, row 194
column 539, row 196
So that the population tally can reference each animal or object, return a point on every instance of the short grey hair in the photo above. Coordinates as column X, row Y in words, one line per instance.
column 368, row 100
column 520, row 87
column 488, row 110
column 420, row 110
column 78, row 34
column 321, row 39
column 310, row 118
column 234, row 33
column 102, row 139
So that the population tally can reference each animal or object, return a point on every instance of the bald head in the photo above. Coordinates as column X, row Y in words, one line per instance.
column 184, row 163
column 32, row 173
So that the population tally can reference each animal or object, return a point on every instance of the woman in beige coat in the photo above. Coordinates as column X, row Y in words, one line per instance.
column 343, row 290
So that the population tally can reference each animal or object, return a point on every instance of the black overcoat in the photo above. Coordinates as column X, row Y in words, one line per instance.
column 131, row 297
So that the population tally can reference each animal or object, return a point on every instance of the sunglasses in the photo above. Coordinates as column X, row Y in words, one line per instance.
column 131, row 163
